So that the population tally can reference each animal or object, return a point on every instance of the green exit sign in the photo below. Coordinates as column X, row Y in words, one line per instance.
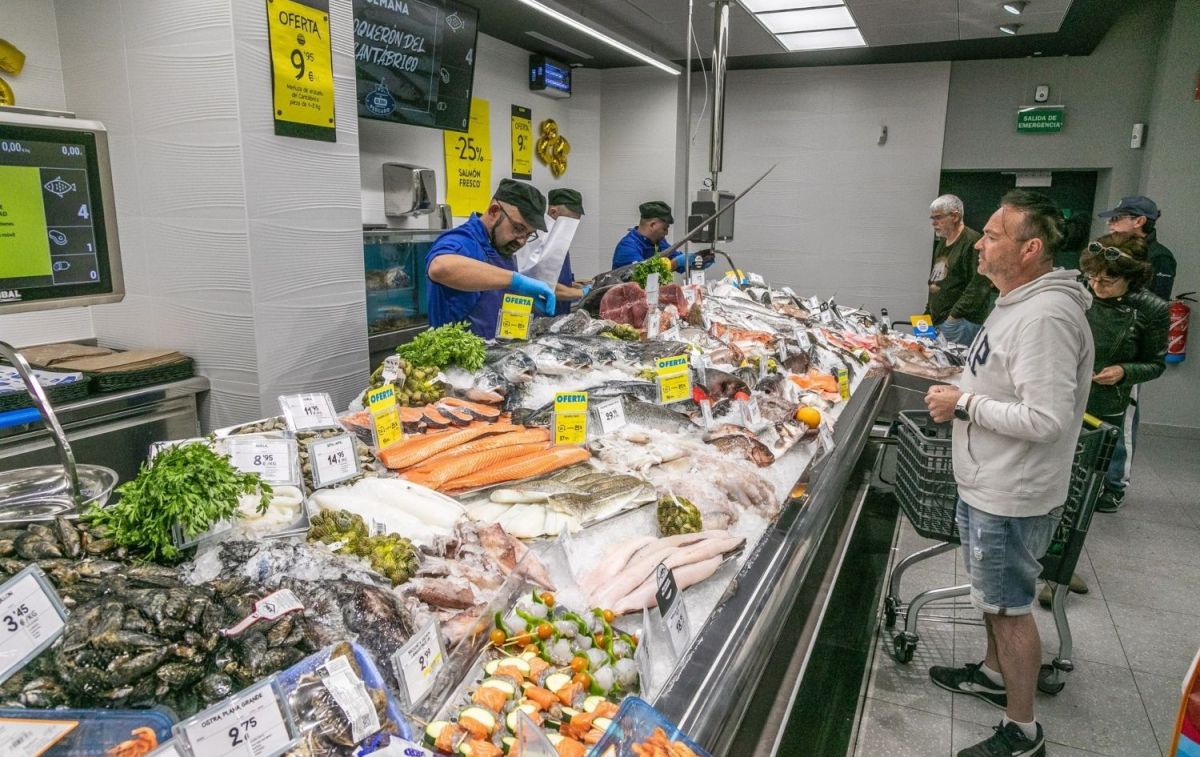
column 1046, row 119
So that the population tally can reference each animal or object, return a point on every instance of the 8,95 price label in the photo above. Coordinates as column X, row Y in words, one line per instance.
column 252, row 723
column 273, row 459
column 418, row 662
column 333, row 460
column 308, row 412
column 31, row 618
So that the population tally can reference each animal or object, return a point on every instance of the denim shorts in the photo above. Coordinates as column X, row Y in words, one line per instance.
column 1001, row 555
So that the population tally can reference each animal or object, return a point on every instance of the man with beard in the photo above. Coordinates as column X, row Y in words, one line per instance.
column 471, row 267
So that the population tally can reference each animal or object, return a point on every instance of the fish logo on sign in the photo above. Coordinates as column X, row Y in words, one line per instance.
column 58, row 186
column 380, row 101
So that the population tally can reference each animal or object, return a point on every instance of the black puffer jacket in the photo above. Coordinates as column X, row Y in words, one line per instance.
column 1130, row 331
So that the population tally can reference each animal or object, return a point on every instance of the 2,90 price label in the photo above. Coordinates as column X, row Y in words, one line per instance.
column 252, row 723
column 308, row 412
column 333, row 460
column 31, row 618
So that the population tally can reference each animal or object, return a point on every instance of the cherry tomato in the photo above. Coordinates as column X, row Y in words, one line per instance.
column 545, row 631
column 583, row 679
column 579, row 664
column 547, row 598
column 608, row 616
column 598, row 637
column 633, row 638
column 498, row 638
column 532, row 648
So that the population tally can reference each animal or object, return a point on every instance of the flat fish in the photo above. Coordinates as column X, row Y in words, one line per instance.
column 751, row 449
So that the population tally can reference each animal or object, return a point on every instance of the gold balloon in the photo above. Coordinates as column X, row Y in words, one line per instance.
column 552, row 147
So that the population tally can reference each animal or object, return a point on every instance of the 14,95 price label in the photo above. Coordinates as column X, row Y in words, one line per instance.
column 333, row 460
column 251, row 723
column 31, row 618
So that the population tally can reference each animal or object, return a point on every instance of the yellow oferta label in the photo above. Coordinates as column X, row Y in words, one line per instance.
column 674, row 379
column 515, row 314
column 843, row 379
column 570, row 418
column 382, row 405
column 301, row 69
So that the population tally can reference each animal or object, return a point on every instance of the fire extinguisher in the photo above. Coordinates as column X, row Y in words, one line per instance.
column 1177, row 334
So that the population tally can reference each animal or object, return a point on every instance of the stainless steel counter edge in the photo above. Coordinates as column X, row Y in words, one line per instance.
column 711, row 686
column 115, row 401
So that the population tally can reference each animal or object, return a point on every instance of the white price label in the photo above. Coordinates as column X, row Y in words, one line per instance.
column 27, row 737
column 308, row 412
column 252, row 723
column 706, row 408
column 653, row 322
column 417, row 662
column 166, row 750
column 825, row 438
column 671, row 334
column 764, row 365
column 31, row 618
column 696, row 278
column 273, row 459
column 802, row 340
column 756, row 279
column 689, row 296
column 826, row 315
column 350, row 694
column 652, row 291
column 611, row 415
column 672, row 610
column 751, row 413
column 333, row 460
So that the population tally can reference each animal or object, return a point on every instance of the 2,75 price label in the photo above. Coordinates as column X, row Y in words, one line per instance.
column 252, row 723
column 31, row 618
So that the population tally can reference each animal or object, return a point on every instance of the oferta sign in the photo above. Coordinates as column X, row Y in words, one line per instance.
column 1044, row 119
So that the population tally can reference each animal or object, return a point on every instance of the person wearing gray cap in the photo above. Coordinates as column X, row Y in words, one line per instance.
column 1139, row 215
column 565, row 203
column 649, row 238
column 470, row 267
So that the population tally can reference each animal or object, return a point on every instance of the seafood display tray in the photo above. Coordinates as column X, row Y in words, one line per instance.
column 97, row 731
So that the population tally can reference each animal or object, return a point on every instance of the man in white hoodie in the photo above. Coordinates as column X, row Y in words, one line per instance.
column 1017, row 414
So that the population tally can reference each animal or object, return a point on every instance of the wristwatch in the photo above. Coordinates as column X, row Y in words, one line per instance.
column 963, row 405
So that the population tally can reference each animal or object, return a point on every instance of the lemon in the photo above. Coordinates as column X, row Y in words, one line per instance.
column 809, row 416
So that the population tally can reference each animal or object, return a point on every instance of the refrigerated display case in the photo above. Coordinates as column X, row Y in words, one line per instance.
column 394, row 263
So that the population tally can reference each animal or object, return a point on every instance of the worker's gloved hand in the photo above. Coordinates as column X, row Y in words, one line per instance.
column 586, row 288
column 541, row 292
column 679, row 262
column 694, row 262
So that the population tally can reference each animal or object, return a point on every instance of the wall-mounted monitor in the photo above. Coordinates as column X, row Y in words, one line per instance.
column 549, row 77
column 58, row 225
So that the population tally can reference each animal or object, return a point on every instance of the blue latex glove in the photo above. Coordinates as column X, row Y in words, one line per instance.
column 679, row 262
column 586, row 288
column 694, row 261
column 542, row 293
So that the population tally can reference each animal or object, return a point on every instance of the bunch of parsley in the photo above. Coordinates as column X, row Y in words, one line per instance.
column 452, row 344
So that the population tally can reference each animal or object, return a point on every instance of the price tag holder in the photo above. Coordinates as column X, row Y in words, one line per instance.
column 696, row 278
column 168, row 749
column 29, row 737
column 611, row 415
column 31, row 618
column 333, row 460
column 706, row 409
column 825, row 438
column 570, row 418
column 276, row 460
column 255, row 722
column 385, row 419
column 418, row 662
column 516, row 312
column 271, row 607
column 812, row 304
column 764, row 365
column 674, row 379
column 652, row 291
column 308, row 412
column 751, row 413
column 843, row 380
column 824, row 313
column 672, row 609
column 671, row 334
column 690, row 293
column 802, row 340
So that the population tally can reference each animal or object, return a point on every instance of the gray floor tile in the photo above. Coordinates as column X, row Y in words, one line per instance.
column 895, row 731
column 1170, row 510
column 1093, row 634
column 1161, row 696
column 908, row 684
column 1165, row 543
column 1149, row 583
column 1100, row 710
column 965, row 733
column 1156, row 641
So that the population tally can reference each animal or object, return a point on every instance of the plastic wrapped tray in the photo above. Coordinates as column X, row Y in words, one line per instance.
column 634, row 723
column 97, row 731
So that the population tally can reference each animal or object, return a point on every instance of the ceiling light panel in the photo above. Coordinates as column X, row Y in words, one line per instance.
column 824, row 40
column 766, row 6
column 807, row 20
column 1016, row 8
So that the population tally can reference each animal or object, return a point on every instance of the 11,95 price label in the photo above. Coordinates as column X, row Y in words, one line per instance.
column 252, row 723
column 308, row 412
column 31, row 618
column 333, row 460
column 419, row 661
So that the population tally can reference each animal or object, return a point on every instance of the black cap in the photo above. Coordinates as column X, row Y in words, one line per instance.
column 656, row 209
column 526, row 199
column 568, row 198
column 1137, row 205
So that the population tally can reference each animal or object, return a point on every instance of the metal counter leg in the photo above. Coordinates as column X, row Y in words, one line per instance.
column 892, row 604
column 1053, row 677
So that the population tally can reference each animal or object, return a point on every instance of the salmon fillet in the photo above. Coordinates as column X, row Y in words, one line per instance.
column 455, row 465
column 478, row 409
column 414, row 449
column 494, row 441
column 520, row 468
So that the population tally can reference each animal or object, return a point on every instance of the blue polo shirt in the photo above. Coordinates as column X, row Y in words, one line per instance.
column 480, row 309
column 634, row 247
column 566, row 277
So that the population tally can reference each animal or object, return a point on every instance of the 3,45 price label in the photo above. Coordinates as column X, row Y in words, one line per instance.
column 418, row 662
column 253, row 723
column 31, row 618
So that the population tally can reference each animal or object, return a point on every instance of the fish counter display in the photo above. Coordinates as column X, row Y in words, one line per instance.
column 491, row 574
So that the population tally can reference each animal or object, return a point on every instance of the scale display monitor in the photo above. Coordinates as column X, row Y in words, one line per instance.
column 58, row 235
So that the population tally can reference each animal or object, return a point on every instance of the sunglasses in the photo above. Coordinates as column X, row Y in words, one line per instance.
column 1109, row 253
column 1103, row 281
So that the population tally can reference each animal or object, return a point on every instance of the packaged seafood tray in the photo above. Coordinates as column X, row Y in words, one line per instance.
column 638, row 730
column 341, row 703
column 82, row 733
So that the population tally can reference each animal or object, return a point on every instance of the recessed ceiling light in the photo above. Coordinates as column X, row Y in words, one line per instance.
column 766, row 6
column 1016, row 8
column 824, row 40
column 1009, row 28
column 814, row 19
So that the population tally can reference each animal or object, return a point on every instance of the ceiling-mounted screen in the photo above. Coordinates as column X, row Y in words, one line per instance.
column 415, row 61
column 58, row 236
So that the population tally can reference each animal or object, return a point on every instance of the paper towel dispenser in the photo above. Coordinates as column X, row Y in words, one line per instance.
column 408, row 190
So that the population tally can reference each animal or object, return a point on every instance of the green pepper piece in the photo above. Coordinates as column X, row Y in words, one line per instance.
column 500, row 624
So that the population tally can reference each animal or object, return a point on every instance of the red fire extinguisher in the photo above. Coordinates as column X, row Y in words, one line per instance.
column 1177, row 335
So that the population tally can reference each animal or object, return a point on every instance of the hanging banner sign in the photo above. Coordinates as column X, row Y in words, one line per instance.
column 469, row 163
column 301, row 69
column 522, row 143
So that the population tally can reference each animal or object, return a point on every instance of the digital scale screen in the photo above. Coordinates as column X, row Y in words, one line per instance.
column 53, row 241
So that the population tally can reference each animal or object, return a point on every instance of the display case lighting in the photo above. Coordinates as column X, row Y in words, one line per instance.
column 1010, row 28
column 577, row 25
column 1016, row 8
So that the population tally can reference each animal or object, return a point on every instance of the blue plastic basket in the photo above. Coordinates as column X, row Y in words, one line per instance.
column 633, row 724
column 98, row 730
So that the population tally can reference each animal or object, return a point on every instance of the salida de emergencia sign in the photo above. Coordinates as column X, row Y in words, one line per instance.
column 1044, row 119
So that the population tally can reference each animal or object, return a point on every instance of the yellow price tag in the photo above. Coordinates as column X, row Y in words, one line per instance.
column 382, row 405
column 674, row 379
column 843, row 379
column 302, row 70
column 570, row 418
column 522, row 143
column 515, row 314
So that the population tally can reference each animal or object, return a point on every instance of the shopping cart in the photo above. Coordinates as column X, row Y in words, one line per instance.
column 927, row 495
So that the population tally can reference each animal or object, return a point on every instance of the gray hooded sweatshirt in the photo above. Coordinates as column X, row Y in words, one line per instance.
column 1030, row 368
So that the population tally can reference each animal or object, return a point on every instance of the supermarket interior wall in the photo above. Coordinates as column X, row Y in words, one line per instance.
column 30, row 25
column 1171, row 179
column 841, row 215
column 1105, row 94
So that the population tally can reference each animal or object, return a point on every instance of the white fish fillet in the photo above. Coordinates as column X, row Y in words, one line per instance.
column 685, row 576
column 430, row 507
column 524, row 521
column 642, row 566
column 609, row 565
column 372, row 511
column 517, row 496
column 488, row 512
